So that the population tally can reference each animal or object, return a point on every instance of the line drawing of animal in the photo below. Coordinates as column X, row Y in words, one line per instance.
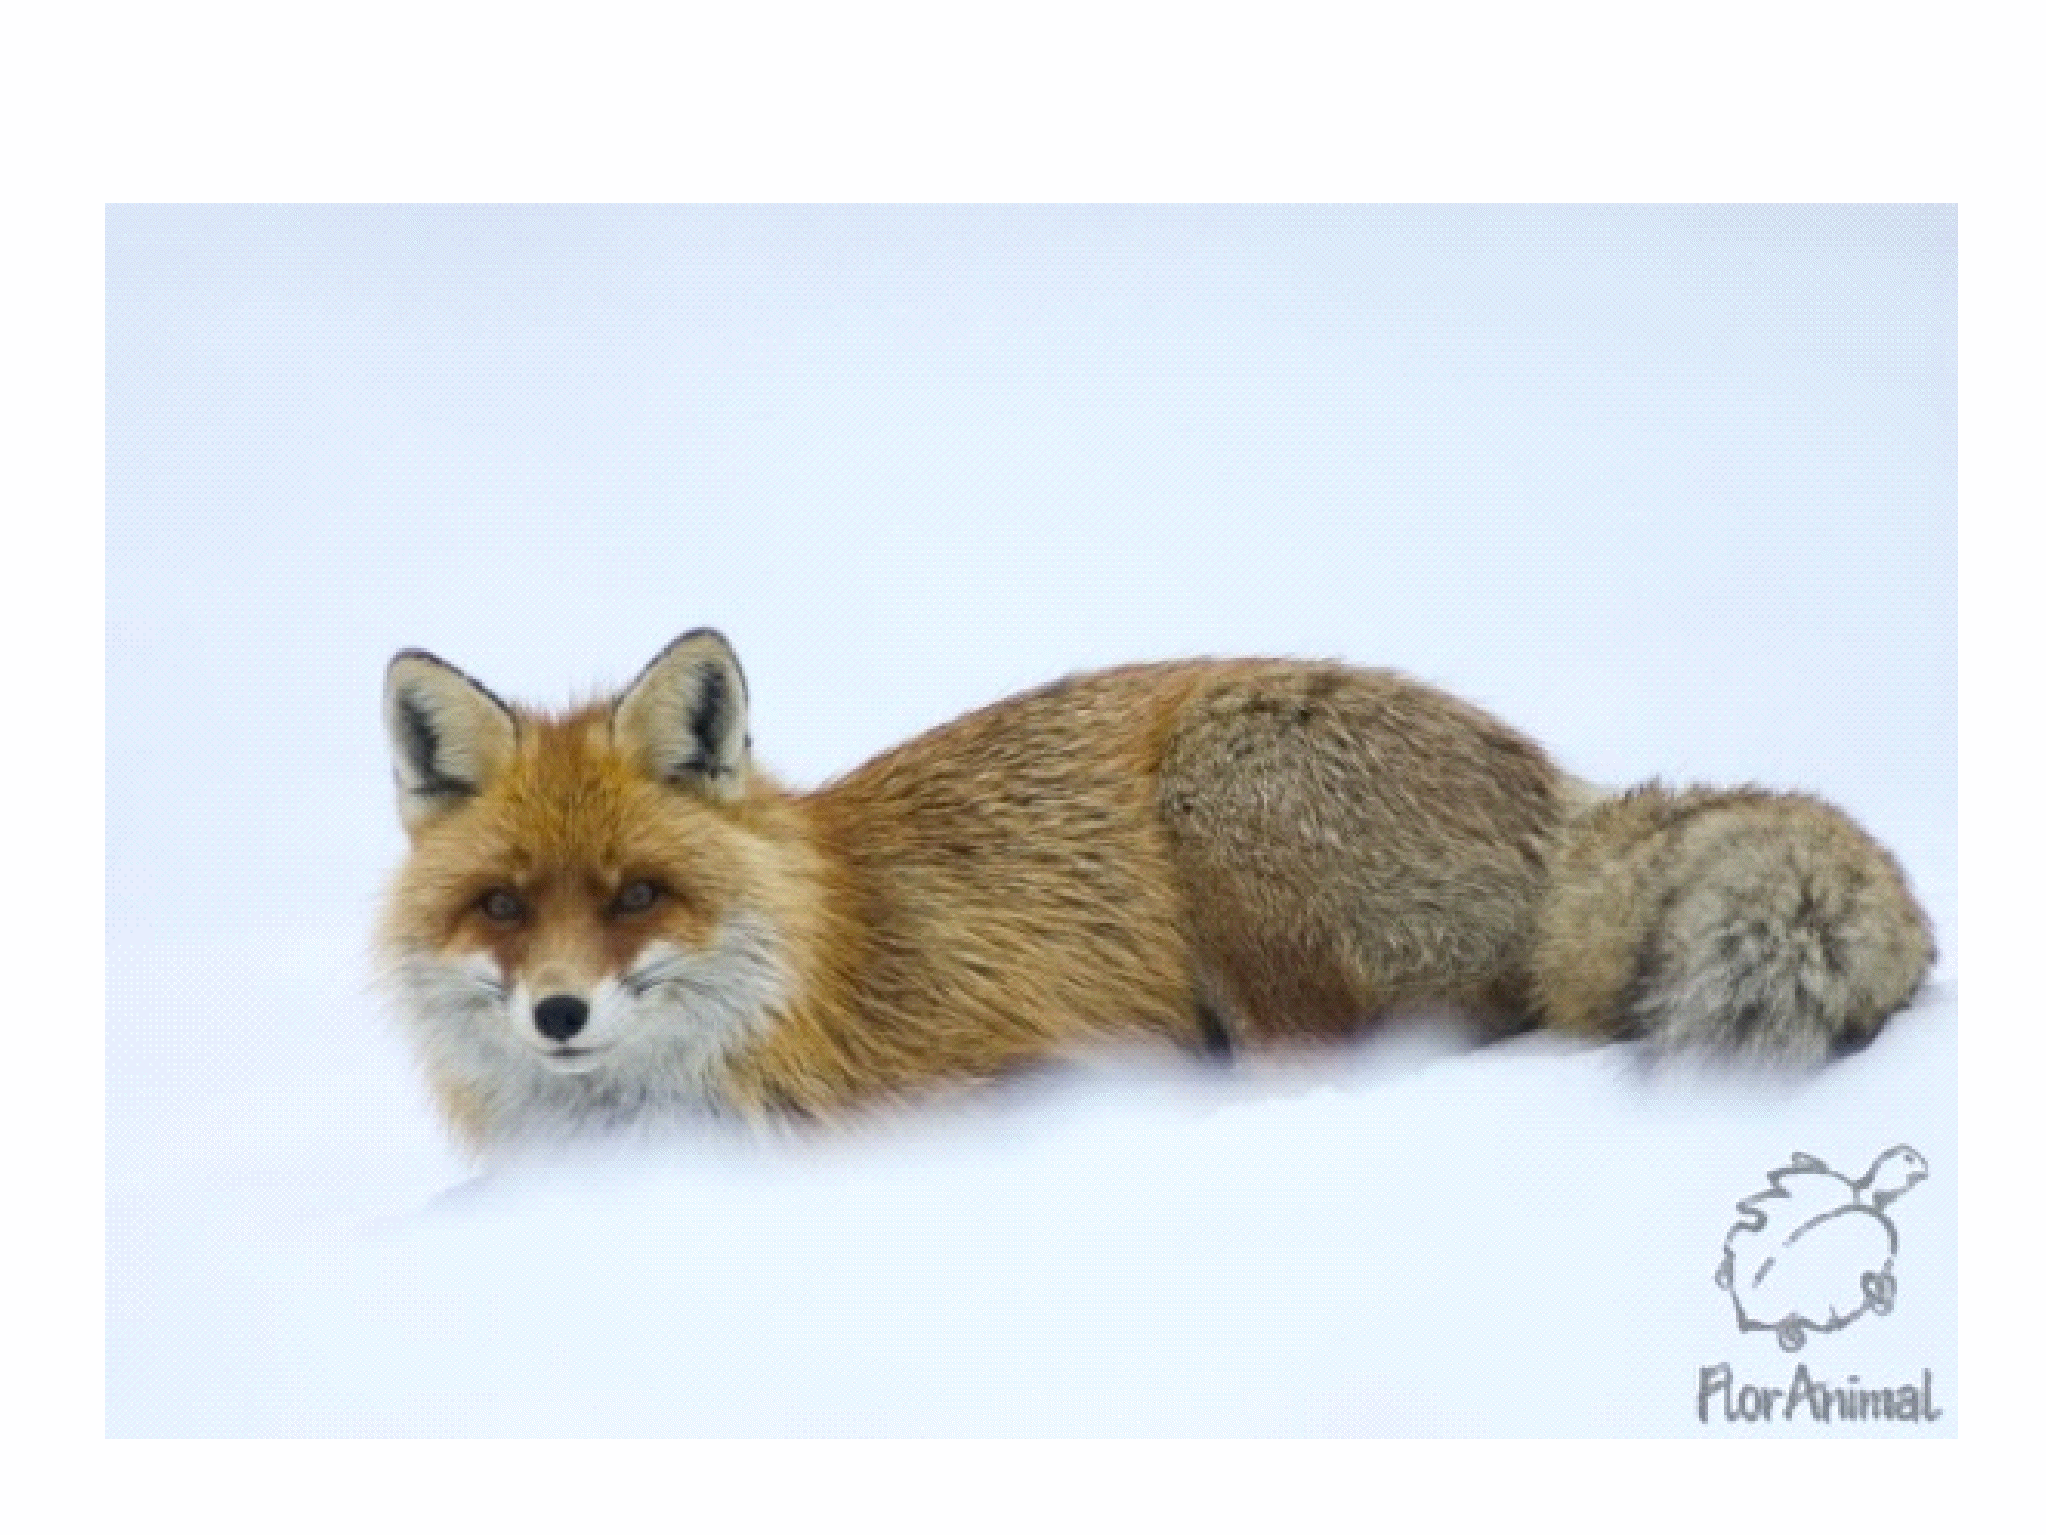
column 1813, row 1253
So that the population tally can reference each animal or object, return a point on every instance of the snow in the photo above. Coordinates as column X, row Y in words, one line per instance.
column 1672, row 489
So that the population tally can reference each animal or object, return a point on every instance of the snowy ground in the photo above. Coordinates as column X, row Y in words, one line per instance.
column 1673, row 490
column 1412, row 1242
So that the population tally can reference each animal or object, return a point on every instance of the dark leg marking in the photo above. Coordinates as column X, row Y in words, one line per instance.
column 1215, row 1037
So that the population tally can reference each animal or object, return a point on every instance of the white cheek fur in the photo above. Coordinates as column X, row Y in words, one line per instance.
column 662, row 1031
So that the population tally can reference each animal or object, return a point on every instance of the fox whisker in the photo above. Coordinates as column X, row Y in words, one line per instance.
column 655, row 974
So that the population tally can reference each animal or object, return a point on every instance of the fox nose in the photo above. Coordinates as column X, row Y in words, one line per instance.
column 560, row 1017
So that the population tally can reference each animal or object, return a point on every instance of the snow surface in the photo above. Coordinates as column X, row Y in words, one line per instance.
column 1672, row 489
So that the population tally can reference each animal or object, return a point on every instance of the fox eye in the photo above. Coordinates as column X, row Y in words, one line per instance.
column 636, row 897
column 502, row 904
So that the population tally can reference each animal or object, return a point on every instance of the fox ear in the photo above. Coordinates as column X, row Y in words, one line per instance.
column 684, row 720
column 449, row 735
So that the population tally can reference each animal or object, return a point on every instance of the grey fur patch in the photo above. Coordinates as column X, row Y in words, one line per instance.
column 1772, row 936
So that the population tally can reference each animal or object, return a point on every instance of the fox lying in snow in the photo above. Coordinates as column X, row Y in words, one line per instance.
column 611, row 916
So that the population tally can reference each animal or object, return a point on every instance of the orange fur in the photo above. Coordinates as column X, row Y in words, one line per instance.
column 1272, row 850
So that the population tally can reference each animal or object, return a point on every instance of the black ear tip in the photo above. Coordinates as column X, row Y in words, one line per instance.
column 413, row 658
column 412, row 654
column 705, row 636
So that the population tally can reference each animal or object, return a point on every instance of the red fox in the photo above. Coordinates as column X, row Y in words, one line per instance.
column 612, row 916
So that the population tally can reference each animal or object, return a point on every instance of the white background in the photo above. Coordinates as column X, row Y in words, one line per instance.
column 1784, row 140
column 1674, row 489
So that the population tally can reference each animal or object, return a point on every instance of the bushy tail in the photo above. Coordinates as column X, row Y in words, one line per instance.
column 1741, row 923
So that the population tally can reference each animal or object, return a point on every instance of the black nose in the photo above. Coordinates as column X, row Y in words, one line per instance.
column 560, row 1017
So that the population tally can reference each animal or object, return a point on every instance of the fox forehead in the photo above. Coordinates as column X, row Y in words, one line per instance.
column 569, row 801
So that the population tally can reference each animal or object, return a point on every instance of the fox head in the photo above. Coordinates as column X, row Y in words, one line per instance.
column 589, row 915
